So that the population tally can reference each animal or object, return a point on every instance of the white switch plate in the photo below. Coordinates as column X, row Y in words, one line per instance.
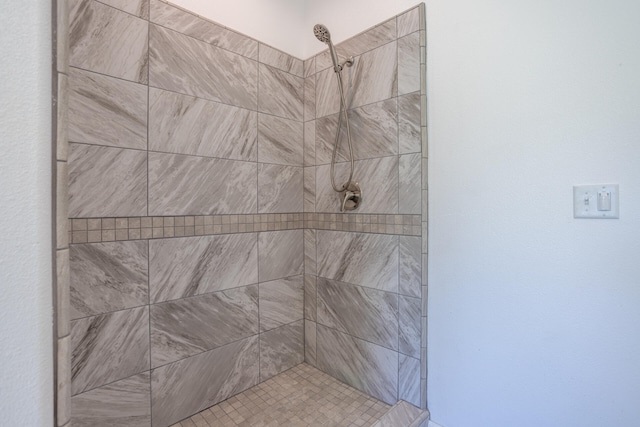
column 585, row 201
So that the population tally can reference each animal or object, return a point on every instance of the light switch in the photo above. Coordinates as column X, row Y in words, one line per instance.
column 596, row 201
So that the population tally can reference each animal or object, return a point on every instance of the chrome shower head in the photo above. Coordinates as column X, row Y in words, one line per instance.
column 322, row 33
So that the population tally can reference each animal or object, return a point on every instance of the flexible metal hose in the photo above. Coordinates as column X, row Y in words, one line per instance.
column 343, row 109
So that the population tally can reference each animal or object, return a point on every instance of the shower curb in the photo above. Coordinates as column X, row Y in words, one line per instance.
column 403, row 414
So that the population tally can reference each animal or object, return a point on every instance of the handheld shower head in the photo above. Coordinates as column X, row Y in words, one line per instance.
column 322, row 33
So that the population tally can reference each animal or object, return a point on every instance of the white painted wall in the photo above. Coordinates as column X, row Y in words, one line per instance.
column 534, row 317
column 288, row 24
column 26, row 353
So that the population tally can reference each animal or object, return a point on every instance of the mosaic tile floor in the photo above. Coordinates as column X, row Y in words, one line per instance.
column 300, row 397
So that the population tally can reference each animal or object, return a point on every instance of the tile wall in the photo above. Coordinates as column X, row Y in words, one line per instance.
column 365, row 293
column 207, row 253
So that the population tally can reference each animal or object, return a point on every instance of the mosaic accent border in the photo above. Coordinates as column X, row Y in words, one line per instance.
column 95, row 230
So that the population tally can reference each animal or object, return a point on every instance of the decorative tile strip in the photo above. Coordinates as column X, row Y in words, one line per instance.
column 94, row 230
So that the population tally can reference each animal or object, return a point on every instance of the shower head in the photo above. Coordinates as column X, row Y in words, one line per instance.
column 322, row 33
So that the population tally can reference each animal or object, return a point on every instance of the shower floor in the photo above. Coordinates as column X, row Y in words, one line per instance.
column 300, row 397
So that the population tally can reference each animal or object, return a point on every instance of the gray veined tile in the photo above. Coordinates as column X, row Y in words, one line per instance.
column 370, row 39
column 309, row 66
column 107, row 111
column 280, row 188
column 410, row 194
column 183, row 267
column 375, row 75
column 186, row 23
column 310, row 297
column 280, row 60
column 409, row 132
column 63, row 380
column 310, row 189
column 310, row 98
column 310, row 252
column 107, row 41
column 310, row 342
column 139, row 8
column 403, row 414
column 109, row 347
column 62, row 205
column 62, row 116
column 374, row 133
column 310, row 143
column 182, row 64
column 409, row 22
column 63, row 293
column 281, row 93
column 187, row 125
column 187, row 185
column 281, row 349
column 327, row 93
column 190, row 385
column 125, row 403
column 281, row 302
column 409, row 379
column 410, row 313
column 107, row 182
column 280, row 141
column 189, row 326
column 62, row 36
column 378, row 180
column 409, row 64
column 368, row 314
column 410, row 258
column 369, row 260
column 368, row 367
column 107, row 277
column 281, row 254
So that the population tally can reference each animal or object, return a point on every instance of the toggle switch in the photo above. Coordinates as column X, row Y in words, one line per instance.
column 596, row 201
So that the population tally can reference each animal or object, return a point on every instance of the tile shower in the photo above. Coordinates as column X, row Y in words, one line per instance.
column 205, row 252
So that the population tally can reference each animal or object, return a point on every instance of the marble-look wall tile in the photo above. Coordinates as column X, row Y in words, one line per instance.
column 107, row 41
column 189, row 326
column 109, row 347
column 281, row 349
column 62, row 115
column 281, row 93
column 280, row 141
column 63, row 377
column 375, row 75
column 378, row 179
column 280, row 60
column 409, row 379
column 107, row 182
column 409, row 64
column 188, row 386
column 403, row 414
column 280, row 188
column 309, row 189
column 310, row 255
column 374, row 133
column 63, row 293
column 281, row 302
column 361, row 259
column 310, row 342
column 186, row 23
column 370, row 39
column 327, row 95
column 62, row 205
column 409, row 22
column 365, row 366
column 186, row 125
column 182, row 64
column 309, row 67
column 62, row 36
column 310, row 143
column 410, row 313
column 139, row 8
column 107, row 111
column 310, row 98
column 124, row 403
column 367, row 314
column 187, row 185
column 184, row 267
column 410, row 259
column 310, row 297
column 107, row 277
column 409, row 132
column 410, row 195
column 281, row 254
